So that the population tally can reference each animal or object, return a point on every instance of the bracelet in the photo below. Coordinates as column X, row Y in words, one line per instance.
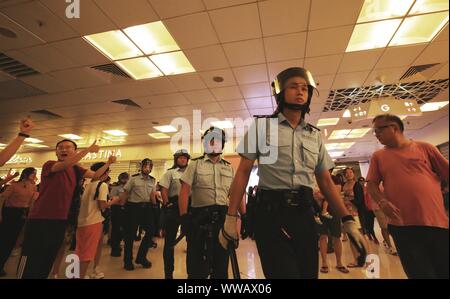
column 23, row 135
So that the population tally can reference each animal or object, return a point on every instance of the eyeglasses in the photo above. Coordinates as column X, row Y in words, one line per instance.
column 380, row 128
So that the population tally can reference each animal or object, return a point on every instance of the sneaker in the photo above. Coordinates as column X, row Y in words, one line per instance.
column 97, row 274
column 15, row 252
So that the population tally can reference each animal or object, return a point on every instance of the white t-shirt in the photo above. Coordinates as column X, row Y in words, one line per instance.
column 90, row 212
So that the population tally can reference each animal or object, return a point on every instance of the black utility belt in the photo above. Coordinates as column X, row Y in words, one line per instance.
column 291, row 198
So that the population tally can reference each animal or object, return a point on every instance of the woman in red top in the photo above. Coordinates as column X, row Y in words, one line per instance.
column 16, row 202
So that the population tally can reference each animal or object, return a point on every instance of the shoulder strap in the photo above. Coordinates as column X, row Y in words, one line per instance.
column 97, row 190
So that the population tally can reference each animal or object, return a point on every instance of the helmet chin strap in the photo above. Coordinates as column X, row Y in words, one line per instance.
column 294, row 106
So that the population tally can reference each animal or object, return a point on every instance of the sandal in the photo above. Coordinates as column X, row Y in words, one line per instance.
column 324, row 270
column 353, row 265
column 342, row 269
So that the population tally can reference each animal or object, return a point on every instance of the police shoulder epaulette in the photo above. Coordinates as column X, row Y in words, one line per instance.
column 137, row 174
column 312, row 127
column 198, row 158
column 226, row 162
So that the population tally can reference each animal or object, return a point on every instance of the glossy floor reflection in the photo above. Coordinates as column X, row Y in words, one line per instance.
column 248, row 258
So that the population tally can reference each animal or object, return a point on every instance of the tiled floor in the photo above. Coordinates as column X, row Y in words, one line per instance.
column 248, row 258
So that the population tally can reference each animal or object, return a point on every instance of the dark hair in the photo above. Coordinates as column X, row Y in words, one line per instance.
column 26, row 173
column 67, row 140
column 123, row 175
column 390, row 118
column 97, row 166
column 337, row 179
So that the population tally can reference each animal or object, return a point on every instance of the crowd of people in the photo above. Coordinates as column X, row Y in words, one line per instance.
column 292, row 214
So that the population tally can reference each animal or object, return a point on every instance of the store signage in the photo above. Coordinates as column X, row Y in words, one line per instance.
column 103, row 154
column 16, row 159
column 389, row 105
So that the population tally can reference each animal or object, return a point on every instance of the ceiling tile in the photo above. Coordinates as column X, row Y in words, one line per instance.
column 256, row 103
column 187, row 82
column 245, row 52
column 207, row 58
column 160, row 101
column 199, row 96
column 80, row 52
column 293, row 46
column 45, row 82
column 435, row 52
column 324, row 81
column 142, row 12
column 442, row 73
column 242, row 114
column 328, row 41
column 78, row 77
column 323, row 65
column 251, row 74
column 348, row 80
column 245, row 24
column 50, row 58
column 188, row 110
column 214, row 4
column 276, row 67
column 24, row 37
column 359, row 61
column 226, row 74
column 261, row 111
column 233, row 105
column 172, row 8
column 38, row 19
column 226, row 93
column 283, row 16
column 5, row 77
column 399, row 56
column 91, row 20
column 192, row 31
column 16, row 89
column 325, row 13
column 443, row 35
column 256, row 90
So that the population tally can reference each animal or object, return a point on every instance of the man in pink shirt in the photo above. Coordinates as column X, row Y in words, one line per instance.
column 411, row 172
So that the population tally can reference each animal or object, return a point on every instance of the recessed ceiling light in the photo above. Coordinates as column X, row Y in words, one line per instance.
column 140, row 68
column 336, row 154
column 114, row 44
column 383, row 9
column 419, row 29
column 218, row 79
column 33, row 140
column 339, row 134
column 372, row 35
column 115, row 132
column 338, row 146
column 114, row 138
column 351, row 133
column 36, row 145
column 327, row 121
column 347, row 114
column 172, row 63
column 165, row 129
column 152, row 38
column 433, row 106
column 425, row 6
column 159, row 135
column 71, row 136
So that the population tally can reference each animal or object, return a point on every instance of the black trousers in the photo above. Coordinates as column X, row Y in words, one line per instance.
column 43, row 239
column 171, row 225
column 117, row 226
column 286, row 238
column 205, row 256
column 423, row 250
column 10, row 228
column 137, row 214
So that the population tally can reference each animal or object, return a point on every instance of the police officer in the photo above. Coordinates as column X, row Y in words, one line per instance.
column 209, row 177
column 284, row 225
column 118, row 215
column 170, row 188
column 140, row 195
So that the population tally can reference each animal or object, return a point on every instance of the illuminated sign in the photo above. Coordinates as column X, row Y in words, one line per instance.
column 16, row 159
column 389, row 105
column 103, row 154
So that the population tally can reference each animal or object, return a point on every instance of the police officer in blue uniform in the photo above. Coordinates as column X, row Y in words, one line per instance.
column 284, row 224
column 170, row 188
